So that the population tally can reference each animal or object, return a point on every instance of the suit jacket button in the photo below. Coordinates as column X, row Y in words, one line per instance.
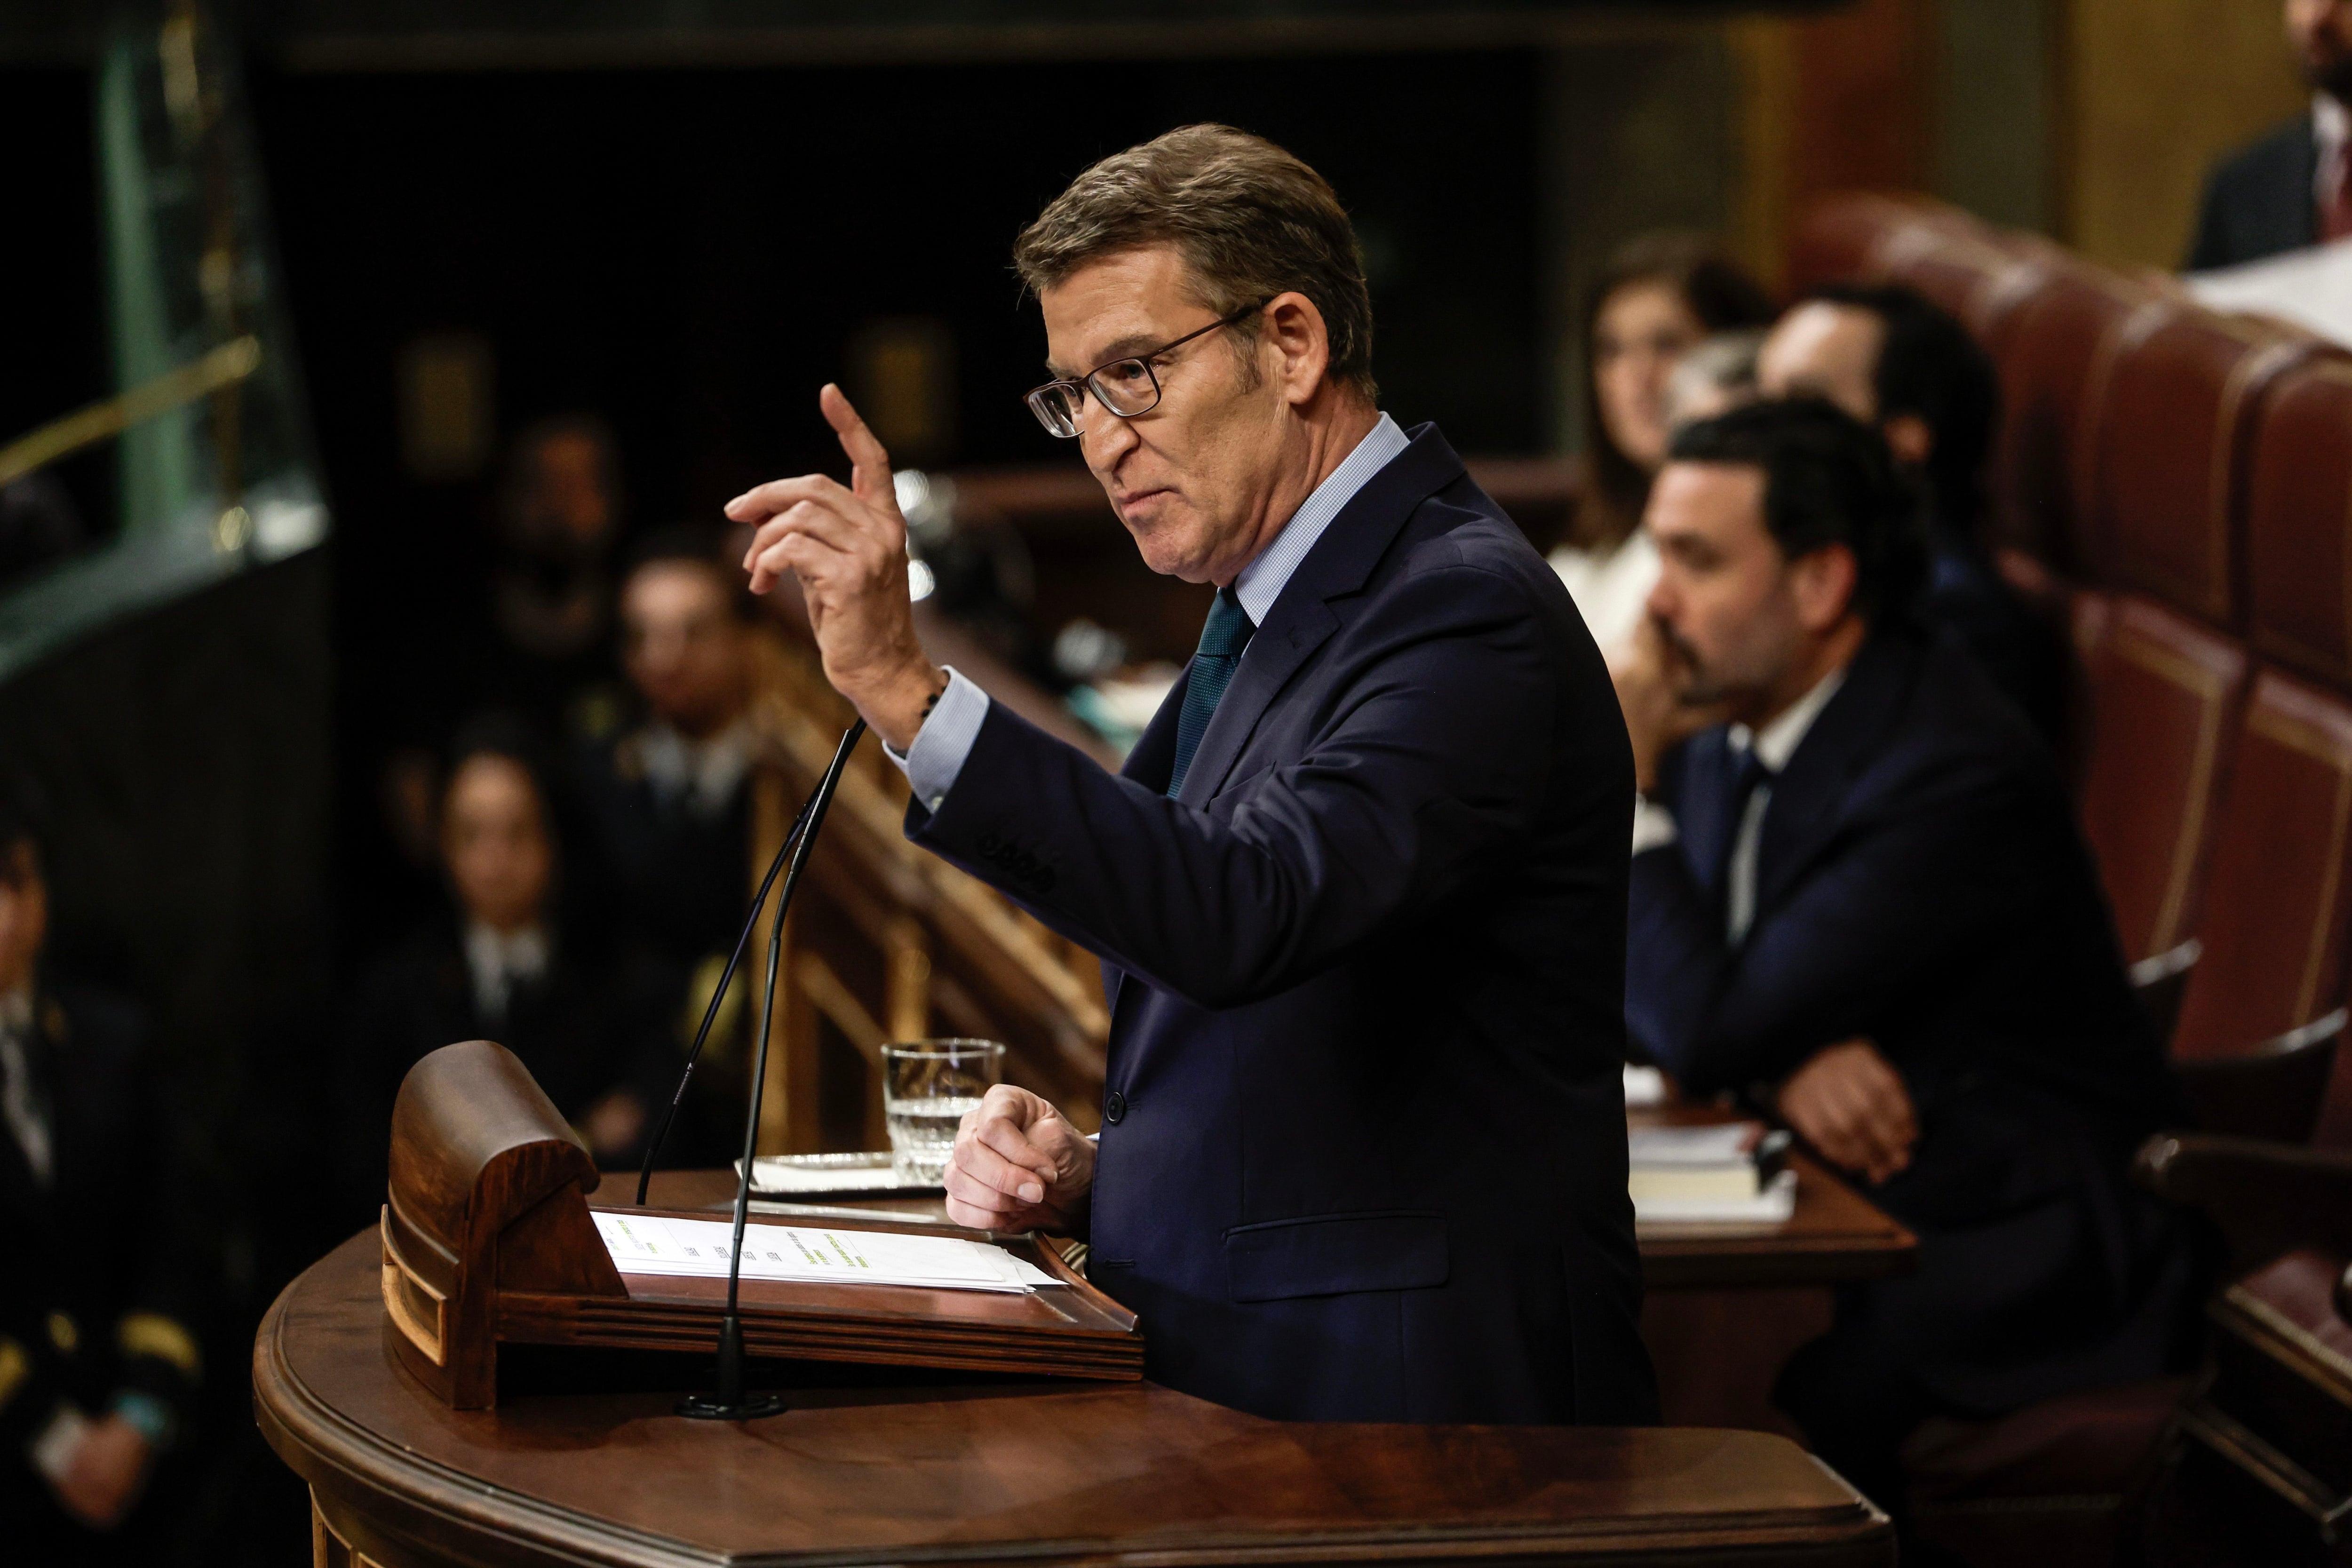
column 1114, row 1107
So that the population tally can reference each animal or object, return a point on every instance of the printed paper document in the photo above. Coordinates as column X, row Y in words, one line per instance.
column 650, row 1243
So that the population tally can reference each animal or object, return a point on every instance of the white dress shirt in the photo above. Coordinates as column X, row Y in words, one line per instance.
column 499, row 961
column 1611, row 587
column 1654, row 825
column 19, row 1108
column 2331, row 130
column 938, row 753
column 702, row 773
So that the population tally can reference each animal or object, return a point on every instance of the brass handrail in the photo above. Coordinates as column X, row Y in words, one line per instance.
column 225, row 366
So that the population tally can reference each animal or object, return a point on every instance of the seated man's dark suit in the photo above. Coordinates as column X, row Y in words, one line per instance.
column 672, row 878
column 2260, row 201
column 1363, row 1151
column 665, row 879
column 2019, row 652
column 1920, row 883
column 99, row 1297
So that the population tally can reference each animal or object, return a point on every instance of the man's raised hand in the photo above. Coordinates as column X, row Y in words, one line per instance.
column 847, row 546
column 1018, row 1165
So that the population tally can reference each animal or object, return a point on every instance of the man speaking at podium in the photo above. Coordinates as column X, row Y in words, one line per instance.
column 1360, row 891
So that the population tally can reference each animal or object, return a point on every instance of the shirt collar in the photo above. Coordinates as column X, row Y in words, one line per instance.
column 2331, row 125
column 17, row 1010
column 1779, row 741
column 1263, row 580
column 704, row 772
column 521, row 953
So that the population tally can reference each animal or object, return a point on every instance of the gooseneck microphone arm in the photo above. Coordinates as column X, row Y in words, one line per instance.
column 731, row 1402
column 718, row 994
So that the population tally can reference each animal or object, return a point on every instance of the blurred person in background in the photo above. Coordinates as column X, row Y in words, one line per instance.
column 667, row 803
column 1657, row 300
column 1861, row 898
column 559, row 519
column 496, row 965
column 1716, row 377
column 1892, row 358
column 2293, row 187
column 98, row 1365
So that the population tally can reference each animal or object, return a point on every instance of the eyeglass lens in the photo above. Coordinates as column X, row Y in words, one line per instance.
column 1125, row 387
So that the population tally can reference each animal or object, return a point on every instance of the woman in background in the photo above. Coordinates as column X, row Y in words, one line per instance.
column 1658, row 298
column 497, row 965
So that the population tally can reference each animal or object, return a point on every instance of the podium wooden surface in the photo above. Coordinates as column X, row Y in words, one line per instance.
column 902, row 1467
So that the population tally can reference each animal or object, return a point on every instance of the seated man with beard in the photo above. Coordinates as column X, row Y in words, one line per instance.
column 1859, row 897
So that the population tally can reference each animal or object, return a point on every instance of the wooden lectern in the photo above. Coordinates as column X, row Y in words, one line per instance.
column 487, row 1238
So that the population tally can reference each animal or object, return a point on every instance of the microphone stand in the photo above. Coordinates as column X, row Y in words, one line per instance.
column 732, row 1402
column 719, row 992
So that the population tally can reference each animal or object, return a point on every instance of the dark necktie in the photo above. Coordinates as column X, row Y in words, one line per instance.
column 1746, row 770
column 1222, row 639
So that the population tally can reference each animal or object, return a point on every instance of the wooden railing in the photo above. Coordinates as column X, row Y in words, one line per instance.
column 888, row 942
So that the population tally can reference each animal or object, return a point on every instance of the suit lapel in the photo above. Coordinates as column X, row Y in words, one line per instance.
column 1149, row 764
column 1698, row 806
column 1301, row 620
column 1153, row 756
column 1815, row 792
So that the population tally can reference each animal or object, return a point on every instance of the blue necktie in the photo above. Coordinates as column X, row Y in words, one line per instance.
column 1220, row 654
column 1744, row 772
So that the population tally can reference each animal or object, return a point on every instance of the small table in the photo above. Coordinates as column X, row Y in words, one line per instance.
column 873, row 1467
column 1835, row 1236
column 1728, row 1304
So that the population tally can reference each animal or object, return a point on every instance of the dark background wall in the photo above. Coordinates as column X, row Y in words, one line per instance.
column 690, row 254
column 691, row 251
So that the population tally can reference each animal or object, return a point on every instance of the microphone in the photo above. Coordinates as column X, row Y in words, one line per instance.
column 731, row 1402
column 719, row 993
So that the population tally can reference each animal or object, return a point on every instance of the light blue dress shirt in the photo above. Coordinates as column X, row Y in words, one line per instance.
column 941, row 746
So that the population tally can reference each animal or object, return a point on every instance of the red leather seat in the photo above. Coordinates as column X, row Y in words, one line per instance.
column 2299, row 522
column 1838, row 238
column 2162, row 699
column 2169, row 417
column 2255, row 1039
column 2051, row 343
column 1977, row 272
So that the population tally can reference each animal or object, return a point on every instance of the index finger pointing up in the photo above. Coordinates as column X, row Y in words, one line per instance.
column 869, row 464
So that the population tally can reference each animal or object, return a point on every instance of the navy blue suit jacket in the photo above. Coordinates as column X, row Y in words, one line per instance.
column 1363, row 1152
column 1921, row 883
column 2260, row 200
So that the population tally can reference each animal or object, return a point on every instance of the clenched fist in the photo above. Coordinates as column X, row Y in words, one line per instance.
column 1018, row 1165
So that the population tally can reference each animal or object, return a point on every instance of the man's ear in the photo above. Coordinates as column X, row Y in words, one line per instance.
column 1909, row 437
column 1823, row 582
column 1294, row 329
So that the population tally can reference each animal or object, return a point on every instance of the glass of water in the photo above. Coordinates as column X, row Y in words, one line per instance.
column 927, row 1086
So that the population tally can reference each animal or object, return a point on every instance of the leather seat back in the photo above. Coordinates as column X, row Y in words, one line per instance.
column 1837, row 238
column 2163, row 695
column 2167, row 423
column 2299, row 522
column 2053, row 340
column 2277, row 898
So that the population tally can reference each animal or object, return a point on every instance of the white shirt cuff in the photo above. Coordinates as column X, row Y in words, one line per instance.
column 941, row 746
column 1654, row 825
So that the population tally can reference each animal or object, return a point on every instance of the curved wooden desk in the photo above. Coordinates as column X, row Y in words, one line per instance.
column 1030, row 1472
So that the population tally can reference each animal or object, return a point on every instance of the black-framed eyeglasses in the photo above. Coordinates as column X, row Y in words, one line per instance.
column 1125, row 387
